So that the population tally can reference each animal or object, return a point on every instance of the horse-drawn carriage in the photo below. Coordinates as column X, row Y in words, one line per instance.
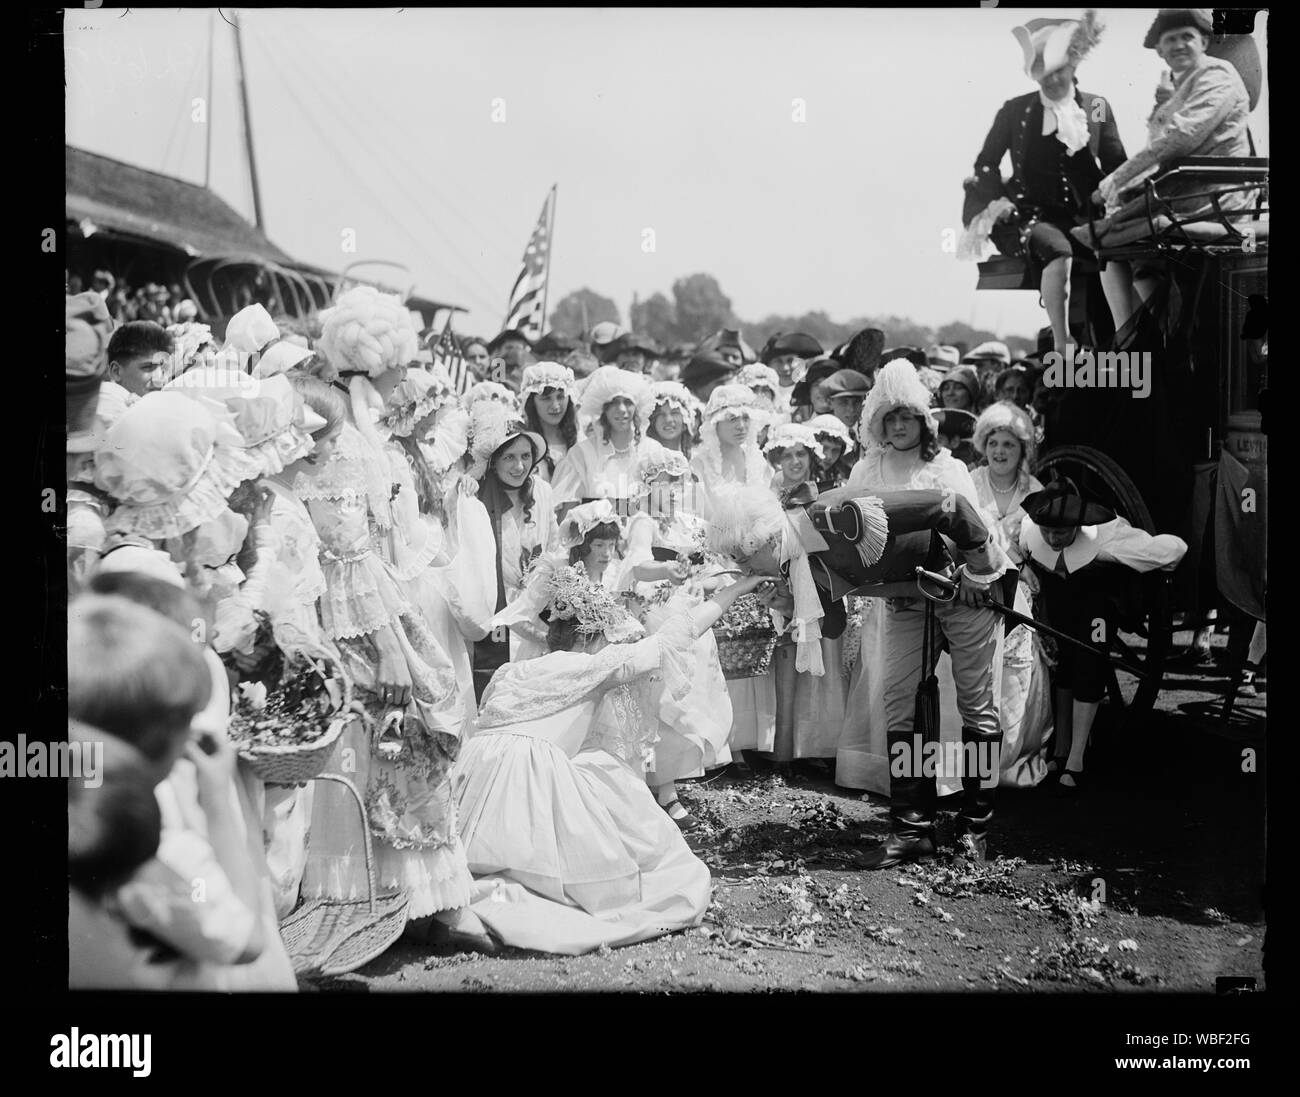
column 1188, row 457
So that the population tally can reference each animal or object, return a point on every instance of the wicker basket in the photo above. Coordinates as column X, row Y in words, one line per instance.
column 745, row 639
column 328, row 937
column 296, row 763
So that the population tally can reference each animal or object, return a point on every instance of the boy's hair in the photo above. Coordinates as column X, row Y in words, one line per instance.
column 137, row 338
column 173, row 602
column 114, row 828
column 133, row 673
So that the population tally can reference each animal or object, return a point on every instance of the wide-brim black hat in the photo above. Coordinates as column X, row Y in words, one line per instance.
column 557, row 344
column 796, row 342
column 1173, row 18
column 955, row 422
column 505, row 336
column 1059, row 506
column 915, row 355
column 704, row 368
column 632, row 342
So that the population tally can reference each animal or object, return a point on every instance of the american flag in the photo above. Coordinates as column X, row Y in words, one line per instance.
column 525, row 312
column 447, row 351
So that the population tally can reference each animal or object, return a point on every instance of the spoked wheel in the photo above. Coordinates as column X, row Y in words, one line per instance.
column 1146, row 637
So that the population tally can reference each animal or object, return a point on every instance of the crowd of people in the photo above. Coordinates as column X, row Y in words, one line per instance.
column 531, row 605
column 526, row 588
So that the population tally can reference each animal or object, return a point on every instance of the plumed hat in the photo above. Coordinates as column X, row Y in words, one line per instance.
column 897, row 386
column 1051, row 44
column 368, row 332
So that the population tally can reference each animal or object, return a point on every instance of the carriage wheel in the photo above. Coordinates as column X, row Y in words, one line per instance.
column 1148, row 642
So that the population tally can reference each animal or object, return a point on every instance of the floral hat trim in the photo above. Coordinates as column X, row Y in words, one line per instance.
column 582, row 519
column 541, row 376
column 729, row 398
column 655, row 463
column 793, row 434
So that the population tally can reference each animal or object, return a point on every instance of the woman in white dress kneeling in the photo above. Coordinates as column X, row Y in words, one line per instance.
column 569, row 849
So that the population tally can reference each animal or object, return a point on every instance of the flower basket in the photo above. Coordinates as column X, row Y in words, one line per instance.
column 286, row 734
column 745, row 639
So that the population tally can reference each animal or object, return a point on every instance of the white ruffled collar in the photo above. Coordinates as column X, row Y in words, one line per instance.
column 1066, row 118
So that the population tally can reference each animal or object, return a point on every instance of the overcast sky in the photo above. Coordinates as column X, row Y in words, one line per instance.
column 678, row 121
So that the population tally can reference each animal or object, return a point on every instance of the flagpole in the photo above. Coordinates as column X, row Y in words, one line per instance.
column 550, row 254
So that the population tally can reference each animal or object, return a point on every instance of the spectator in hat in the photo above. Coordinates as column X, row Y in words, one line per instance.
column 635, row 353
column 1202, row 109
column 786, row 354
column 839, row 452
column 960, row 389
column 1015, row 385
column 603, row 336
column 809, row 396
column 139, row 354
column 942, row 357
column 514, row 348
column 1061, row 141
column 705, row 372
column 846, row 389
column 864, row 352
column 955, row 430
column 730, row 347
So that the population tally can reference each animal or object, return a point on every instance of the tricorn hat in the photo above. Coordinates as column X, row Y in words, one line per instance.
column 1060, row 506
column 1173, row 18
column 704, row 368
column 796, row 342
column 1051, row 44
column 955, row 422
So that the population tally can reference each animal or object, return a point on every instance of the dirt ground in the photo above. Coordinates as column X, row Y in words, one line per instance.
column 1151, row 879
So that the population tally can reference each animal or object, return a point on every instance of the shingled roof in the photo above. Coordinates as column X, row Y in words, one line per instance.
column 123, row 198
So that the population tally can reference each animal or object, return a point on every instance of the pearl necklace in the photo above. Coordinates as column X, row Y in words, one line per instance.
column 624, row 451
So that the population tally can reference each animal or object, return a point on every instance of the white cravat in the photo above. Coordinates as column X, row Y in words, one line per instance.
column 1066, row 119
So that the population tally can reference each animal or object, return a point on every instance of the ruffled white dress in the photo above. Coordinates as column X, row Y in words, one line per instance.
column 593, row 469
column 407, row 784
column 568, row 848
column 697, row 739
column 1026, row 707
column 862, row 760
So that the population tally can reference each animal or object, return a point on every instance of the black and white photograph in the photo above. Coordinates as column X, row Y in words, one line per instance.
column 689, row 502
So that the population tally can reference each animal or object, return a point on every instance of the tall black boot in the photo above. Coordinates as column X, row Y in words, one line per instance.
column 981, row 754
column 911, row 811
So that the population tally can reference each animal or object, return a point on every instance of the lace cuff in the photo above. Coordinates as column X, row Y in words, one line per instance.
column 360, row 596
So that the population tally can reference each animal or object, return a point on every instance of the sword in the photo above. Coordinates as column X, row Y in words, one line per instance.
column 1021, row 619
